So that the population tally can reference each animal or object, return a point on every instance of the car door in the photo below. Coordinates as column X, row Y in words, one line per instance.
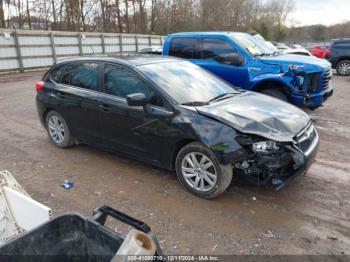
column 210, row 49
column 125, row 128
column 77, row 93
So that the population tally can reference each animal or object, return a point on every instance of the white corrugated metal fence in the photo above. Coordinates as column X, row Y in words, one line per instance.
column 23, row 50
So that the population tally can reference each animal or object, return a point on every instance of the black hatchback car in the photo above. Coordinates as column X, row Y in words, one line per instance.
column 175, row 115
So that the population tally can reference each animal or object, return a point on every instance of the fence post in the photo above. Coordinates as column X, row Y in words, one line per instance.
column 103, row 43
column 80, row 44
column 136, row 44
column 160, row 41
column 53, row 48
column 120, row 43
column 18, row 50
column 149, row 41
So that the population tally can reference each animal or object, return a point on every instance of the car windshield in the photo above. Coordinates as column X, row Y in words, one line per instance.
column 187, row 83
column 254, row 46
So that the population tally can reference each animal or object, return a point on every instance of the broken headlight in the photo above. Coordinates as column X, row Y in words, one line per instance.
column 264, row 146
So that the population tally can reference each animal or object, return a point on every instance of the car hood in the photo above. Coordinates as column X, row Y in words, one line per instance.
column 258, row 114
column 306, row 62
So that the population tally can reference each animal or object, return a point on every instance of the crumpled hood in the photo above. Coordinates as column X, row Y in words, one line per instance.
column 258, row 114
column 306, row 62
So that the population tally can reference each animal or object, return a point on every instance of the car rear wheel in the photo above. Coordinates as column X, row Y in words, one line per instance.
column 199, row 171
column 343, row 68
column 58, row 130
column 276, row 93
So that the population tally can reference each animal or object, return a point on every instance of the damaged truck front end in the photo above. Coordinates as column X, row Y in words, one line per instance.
column 276, row 163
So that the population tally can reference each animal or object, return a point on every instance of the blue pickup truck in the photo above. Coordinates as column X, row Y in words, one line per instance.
column 249, row 63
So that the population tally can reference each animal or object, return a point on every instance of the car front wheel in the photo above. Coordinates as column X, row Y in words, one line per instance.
column 58, row 130
column 200, row 172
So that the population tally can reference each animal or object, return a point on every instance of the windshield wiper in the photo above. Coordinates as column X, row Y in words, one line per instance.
column 265, row 54
column 222, row 96
column 195, row 103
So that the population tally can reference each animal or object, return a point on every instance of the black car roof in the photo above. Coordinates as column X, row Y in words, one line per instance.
column 127, row 59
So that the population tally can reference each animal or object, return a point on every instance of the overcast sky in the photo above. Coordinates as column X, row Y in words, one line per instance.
column 327, row 12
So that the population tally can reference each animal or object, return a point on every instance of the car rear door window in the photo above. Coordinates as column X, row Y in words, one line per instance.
column 120, row 81
column 183, row 47
column 214, row 48
column 85, row 75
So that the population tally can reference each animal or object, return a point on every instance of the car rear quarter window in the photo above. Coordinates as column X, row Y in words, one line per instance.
column 85, row 75
column 61, row 75
column 183, row 47
column 56, row 74
column 213, row 48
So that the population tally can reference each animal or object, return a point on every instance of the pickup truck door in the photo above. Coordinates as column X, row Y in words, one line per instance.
column 209, row 49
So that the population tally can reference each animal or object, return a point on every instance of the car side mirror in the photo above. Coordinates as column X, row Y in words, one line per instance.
column 231, row 59
column 137, row 99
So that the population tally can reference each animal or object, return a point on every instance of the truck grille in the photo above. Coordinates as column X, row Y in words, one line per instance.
column 326, row 79
column 305, row 138
column 314, row 81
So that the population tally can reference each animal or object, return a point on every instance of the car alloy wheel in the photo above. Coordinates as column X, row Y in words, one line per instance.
column 199, row 171
column 56, row 129
column 344, row 68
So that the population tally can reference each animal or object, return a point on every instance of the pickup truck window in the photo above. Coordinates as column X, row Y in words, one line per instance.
column 183, row 47
column 213, row 48
column 250, row 44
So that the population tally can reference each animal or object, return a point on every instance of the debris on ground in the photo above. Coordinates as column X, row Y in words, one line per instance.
column 332, row 238
column 269, row 234
column 67, row 184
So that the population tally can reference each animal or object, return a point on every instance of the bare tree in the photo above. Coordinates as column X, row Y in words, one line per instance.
column 28, row 15
column 120, row 25
column 2, row 14
column 102, row 4
column 127, row 22
column 163, row 17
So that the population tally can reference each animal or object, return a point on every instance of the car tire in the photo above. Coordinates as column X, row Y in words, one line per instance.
column 196, row 177
column 343, row 68
column 58, row 130
column 276, row 93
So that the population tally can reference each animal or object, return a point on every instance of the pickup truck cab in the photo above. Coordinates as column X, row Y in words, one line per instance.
column 245, row 62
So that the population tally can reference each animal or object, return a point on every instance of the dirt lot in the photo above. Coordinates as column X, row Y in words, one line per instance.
column 309, row 216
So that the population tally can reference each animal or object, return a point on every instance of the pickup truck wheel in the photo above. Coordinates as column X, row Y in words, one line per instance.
column 275, row 93
column 343, row 68
column 199, row 171
column 58, row 130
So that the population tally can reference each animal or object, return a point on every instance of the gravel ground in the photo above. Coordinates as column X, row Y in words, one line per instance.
column 310, row 216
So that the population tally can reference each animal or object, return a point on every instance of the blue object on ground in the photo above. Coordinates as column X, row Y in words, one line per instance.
column 67, row 184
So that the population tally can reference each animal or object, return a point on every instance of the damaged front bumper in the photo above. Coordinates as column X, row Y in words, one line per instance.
column 280, row 167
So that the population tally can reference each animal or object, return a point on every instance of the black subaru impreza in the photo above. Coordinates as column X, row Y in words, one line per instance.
column 175, row 115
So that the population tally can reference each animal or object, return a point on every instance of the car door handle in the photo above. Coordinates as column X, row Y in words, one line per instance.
column 105, row 108
column 61, row 95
